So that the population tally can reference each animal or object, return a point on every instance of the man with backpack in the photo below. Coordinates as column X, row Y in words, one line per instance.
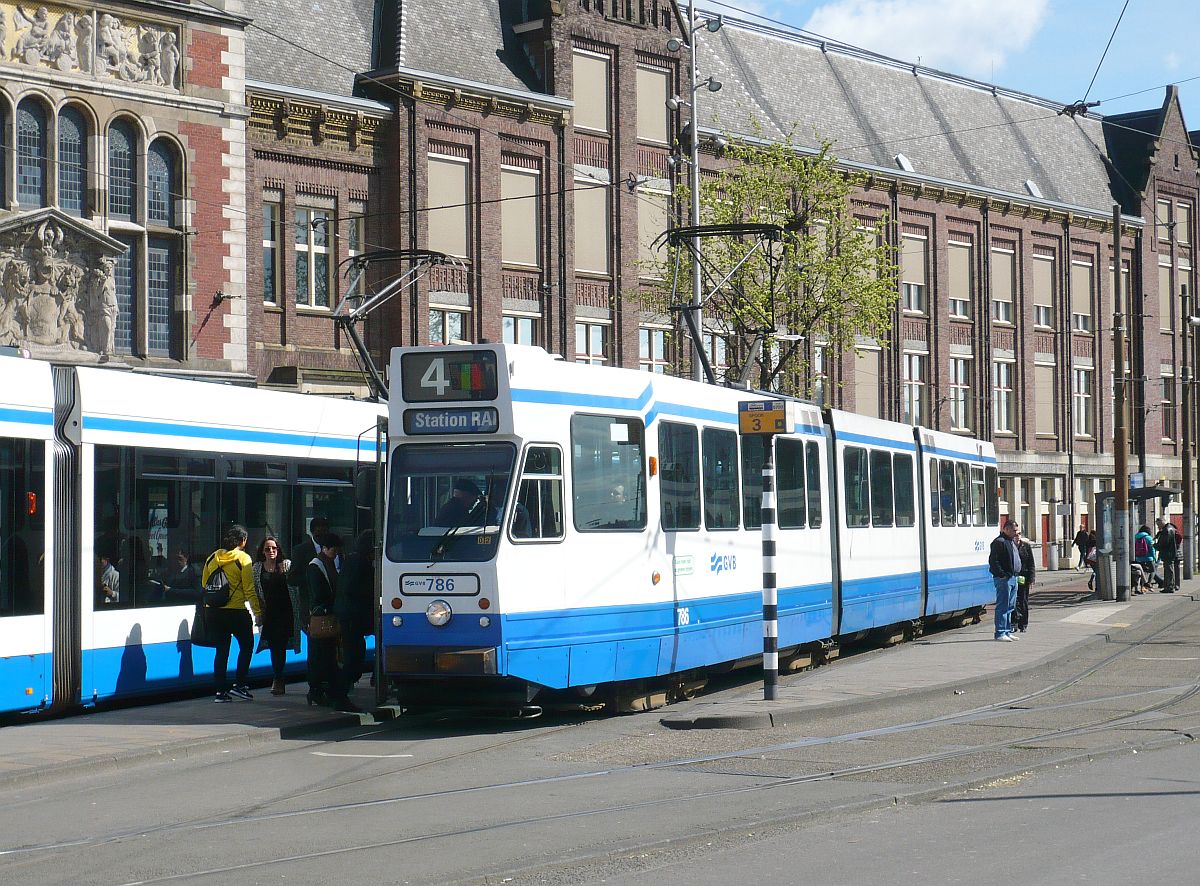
column 227, row 584
column 1166, row 542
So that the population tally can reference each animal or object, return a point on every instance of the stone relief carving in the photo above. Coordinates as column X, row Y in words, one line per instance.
column 91, row 42
column 58, row 288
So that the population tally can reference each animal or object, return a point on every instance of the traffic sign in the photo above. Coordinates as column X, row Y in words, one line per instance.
column 766, row 417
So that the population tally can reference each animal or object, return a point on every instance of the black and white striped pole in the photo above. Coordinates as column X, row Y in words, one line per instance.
column 770, row 590
column 765, row 419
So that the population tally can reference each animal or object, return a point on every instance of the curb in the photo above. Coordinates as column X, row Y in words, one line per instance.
column 252, row 736
column 770, row 715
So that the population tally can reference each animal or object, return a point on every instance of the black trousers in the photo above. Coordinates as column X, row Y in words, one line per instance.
column 354, row 656
column 1020, row 614
column 232, row 624
column 322, row 665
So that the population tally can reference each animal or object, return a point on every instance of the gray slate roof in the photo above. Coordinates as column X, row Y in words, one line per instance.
column 338, row 30
column 465, row 40
column 872, row 109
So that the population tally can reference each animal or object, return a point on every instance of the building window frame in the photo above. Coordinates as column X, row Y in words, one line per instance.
column 313, row 254
column 593, row 340
column 1166, row 405
column 653, row 344
column 445, row 320
column 1003, row 396
column 272, row 248
column 32, row 154
column 960, row 307
column 72, row 160
column 1082, row 395
column 914, row 387
column 520, row 328
column 1004, row 310
column 961, row 377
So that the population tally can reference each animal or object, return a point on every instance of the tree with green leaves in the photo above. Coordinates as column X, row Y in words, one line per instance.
column 826, row 276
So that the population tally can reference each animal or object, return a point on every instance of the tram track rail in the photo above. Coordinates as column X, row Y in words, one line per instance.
column 1178, row 694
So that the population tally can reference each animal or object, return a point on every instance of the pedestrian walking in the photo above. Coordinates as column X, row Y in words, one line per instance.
column 1020, row 616
column 278, row 619
column 1166, row 542
column 1004, row 563
column 1083, row 543
column 321, row 578
column 1093, row 561
column 231, row 620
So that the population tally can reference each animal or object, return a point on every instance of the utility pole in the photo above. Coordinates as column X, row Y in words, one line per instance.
column 1120, row 522
column 694, row 188
column 1186, row 421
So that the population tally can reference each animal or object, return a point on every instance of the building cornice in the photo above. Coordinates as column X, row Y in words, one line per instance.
column 277, row 118
column 450, row 92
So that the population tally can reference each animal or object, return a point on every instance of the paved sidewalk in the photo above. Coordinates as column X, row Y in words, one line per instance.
column 1062, row 618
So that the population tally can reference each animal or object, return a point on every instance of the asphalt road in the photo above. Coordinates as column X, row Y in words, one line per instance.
column 575, row 798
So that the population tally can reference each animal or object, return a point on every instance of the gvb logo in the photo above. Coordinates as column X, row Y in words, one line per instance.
column 719, row 563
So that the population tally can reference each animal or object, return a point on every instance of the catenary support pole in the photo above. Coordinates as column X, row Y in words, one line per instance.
column 770, row 594
column 1186, row 421
column 1120, row 525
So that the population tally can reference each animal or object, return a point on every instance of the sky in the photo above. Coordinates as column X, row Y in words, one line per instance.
column 1047, row 48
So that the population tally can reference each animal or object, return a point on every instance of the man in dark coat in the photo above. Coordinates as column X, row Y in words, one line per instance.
column 1004, row 563
column 302, row 555
column 1167, row 544
column 321, row 578
column 1081, row 542
column 1020, row 616
column 355, row 609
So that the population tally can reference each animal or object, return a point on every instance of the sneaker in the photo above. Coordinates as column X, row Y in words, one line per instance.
column 222, row 697
column 1003, row 638
column 1013, row 637
column 242, row 692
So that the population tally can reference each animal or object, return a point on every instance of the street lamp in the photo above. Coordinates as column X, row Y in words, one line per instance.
column 712, row 25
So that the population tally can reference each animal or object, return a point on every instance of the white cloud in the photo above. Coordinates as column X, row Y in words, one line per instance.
column 972, row 37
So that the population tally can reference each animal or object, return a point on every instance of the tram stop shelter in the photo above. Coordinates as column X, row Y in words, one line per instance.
column 1105, row 504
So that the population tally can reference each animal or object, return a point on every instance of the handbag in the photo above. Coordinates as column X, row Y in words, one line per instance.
column 202, row 629
column 323, row 627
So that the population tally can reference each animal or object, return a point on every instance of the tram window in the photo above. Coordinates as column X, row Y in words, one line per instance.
column 789, row 481
column 175, row 465
column 935, row 499
column 902, row 478
column 962, row 478
column 946, row 470
column 978, row 499
column 538, row 512
column 753, row 452
column 325, row 473
column 22, row 527
column 881, row 488
column 608, row 473
column 252, row 469
column 812, row 466
column 858, row 494
column 679, row 475
column 720, row 471
column 992, row 490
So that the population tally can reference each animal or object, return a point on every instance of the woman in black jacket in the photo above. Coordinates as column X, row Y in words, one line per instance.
column 1024, row 585
column 270, row 584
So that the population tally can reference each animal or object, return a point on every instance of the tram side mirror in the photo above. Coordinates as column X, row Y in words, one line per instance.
column 364, row 488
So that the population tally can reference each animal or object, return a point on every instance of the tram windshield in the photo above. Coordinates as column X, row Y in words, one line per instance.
column 447, row 502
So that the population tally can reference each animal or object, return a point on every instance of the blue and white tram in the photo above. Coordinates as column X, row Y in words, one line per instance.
column 556, row 526
column 26, row 473
column 144, row 472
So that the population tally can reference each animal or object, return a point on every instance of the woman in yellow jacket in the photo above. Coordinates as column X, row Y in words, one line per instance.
column 232, row 619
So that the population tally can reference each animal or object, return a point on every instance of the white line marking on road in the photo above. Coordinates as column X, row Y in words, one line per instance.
column 361, row 756
column 1192, row 658
column 1093, row 615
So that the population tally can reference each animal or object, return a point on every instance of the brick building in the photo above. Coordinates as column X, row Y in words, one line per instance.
column 532, row 142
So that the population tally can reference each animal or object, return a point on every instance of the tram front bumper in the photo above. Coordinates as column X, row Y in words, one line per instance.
column 416, row 660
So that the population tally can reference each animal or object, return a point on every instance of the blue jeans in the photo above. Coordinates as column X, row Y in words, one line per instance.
column 1006, row 599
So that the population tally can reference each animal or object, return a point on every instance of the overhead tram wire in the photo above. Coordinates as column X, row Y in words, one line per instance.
column 1104, row 54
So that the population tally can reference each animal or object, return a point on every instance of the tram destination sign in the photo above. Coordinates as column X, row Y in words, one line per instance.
column 479, row 420
column 447, row 375
column 766, row 417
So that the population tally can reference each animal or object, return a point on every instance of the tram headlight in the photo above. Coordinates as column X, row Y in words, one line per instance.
column 397, row 621
column 438, row 613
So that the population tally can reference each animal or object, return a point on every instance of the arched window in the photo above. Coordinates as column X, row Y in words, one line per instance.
column 72, row 161
column 31, row 154
column 122, row 170
column 160, row 184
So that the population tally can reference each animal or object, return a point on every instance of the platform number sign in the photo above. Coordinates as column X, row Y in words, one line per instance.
column 766, row 417
column 448, row 376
